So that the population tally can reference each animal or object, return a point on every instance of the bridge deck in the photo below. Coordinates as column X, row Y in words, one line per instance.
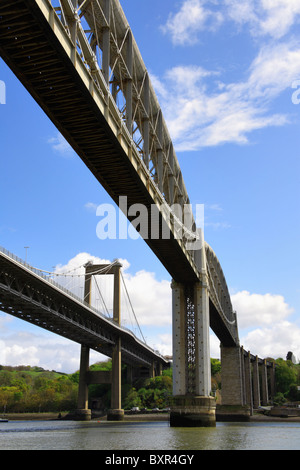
column 65, row 91
column 37, row 48
column 30, row 297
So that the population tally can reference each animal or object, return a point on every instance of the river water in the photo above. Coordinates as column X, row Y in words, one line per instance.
column 159, row 436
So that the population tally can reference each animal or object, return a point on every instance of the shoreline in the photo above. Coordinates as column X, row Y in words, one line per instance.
column 135, row 417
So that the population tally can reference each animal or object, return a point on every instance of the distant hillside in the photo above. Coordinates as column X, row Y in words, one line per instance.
column 33, row 389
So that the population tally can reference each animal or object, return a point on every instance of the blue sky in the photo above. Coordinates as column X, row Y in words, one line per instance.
column 224, row 73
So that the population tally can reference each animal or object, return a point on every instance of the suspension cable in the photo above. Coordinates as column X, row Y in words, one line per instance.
column 132, row 307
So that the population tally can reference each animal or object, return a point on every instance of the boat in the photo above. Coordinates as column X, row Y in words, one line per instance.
column 3, row 420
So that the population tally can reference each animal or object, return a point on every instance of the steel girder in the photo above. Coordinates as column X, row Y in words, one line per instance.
column 30, row 297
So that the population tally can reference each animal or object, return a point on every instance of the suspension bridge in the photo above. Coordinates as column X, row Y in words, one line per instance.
column 80, row 62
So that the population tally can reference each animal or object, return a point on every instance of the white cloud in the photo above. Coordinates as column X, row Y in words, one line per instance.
column 60, row 145
column 259, row 309
column 273, row 341
column 192, row 17
column 273, row 18
column 151, row 298
column 264, row 328
column 264, row 18
column 198, row 116
column 91, row 206
column 36, row 348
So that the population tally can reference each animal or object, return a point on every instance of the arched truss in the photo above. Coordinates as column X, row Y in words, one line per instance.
column 108, row 49
column 218, row 291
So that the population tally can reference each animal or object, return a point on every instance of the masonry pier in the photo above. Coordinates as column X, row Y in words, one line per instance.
column 247, row 383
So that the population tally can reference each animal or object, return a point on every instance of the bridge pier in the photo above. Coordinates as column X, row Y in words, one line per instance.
column 83, row 413
column 234, row 406
column 116, row 413
column 192, row 404
column 244, row 383
column 256, row 387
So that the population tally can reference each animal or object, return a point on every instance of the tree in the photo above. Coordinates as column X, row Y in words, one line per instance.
column 215, row 366
column 286, row 375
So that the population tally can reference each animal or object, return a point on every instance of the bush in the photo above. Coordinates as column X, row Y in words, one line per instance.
column 279, row 399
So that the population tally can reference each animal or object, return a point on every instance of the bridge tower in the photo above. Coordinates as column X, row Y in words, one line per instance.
column 192, row 404
column 116, row 413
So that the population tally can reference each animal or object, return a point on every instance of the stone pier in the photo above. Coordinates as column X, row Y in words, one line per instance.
column 233, row 407
column 247, row 383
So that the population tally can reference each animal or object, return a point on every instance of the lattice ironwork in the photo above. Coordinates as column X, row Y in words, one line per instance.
column 190, row 341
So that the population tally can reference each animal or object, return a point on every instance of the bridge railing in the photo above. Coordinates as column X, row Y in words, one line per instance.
column 38, row 272
column 106, row 46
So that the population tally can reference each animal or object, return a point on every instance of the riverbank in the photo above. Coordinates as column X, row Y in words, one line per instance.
column 33, row 416
column 257, row 417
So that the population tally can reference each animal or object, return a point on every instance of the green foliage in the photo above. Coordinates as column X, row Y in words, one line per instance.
column 32, row 389
column 287, row 374
column 279, row 399
column 215, row 366
column 293, row 393
column 150, row 393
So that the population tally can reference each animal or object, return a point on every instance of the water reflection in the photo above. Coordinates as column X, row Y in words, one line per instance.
column 59, row 435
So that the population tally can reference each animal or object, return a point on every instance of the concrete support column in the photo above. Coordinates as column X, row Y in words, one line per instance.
column 231, row 376
column 83, row 413
column 116, row 413
column 272, row 380
column 256, row 387
column 179, row 339
column 248, row 382
column 233, row 406
column 198, row 408
column 243, row 376
column 264, row 384
column 152, row 370
column 117, row 294
column 203, row 367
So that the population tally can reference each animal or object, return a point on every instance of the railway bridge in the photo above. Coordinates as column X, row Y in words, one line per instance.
column 80, row 62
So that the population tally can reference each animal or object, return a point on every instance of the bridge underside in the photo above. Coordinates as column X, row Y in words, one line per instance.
column 35, row 55
column 219, row 327
column 30, row 298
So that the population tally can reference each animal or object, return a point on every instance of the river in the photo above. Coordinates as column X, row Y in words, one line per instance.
column 159, row 436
